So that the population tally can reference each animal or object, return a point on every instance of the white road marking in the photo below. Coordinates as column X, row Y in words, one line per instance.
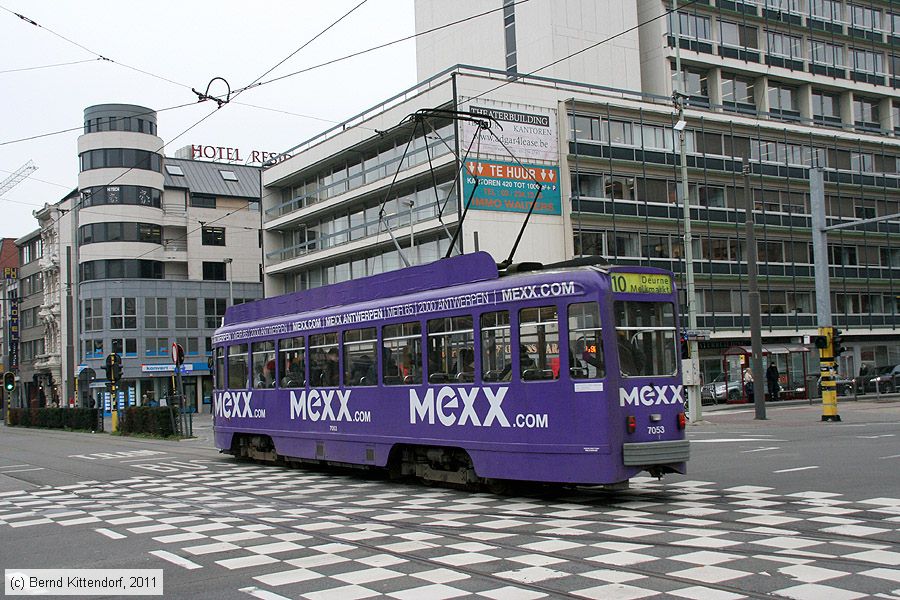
column 874, row 437
column 110, row 534
column 762, row 449
column 264, row 594
column 13, row 466
column 726, row 440
column 176, row 560
column 891, row 456
column 797, row 469
column 21, row 470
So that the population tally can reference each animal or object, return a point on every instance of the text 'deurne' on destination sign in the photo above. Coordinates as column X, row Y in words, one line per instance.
column 641, row 283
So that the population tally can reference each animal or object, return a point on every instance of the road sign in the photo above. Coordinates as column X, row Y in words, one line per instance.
column 177, row 354
column 699, row 335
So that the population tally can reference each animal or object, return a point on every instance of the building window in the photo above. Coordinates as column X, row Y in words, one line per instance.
column 121, row 269
column 191, row 345
column 865, row 61
column 823, row 53
column 738, row 92
column 156, row 313
column 122, row 313
column 826, row 108
column 862, row 162
column 509, row 29
column 112, row 231
column 128, row 158
column 865, row 113
column 784, row 45
column 175, row 170
column 93, row 348
column 784, row 5
column 185, row 313
column 125, row 346
column 864, row 17
column 120, row 194
column 739, row 36
column 214, row 309
column 213, row 271
column 228, row 175
column 203, row 201
column 695, row 84
column 213, row 236
column 156, row 346
column 93, row 314
column 828, row 10
column 692, row 26
column 782, row 99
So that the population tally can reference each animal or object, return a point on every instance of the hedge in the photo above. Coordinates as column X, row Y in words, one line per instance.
column 55, row 418
column 153, row 420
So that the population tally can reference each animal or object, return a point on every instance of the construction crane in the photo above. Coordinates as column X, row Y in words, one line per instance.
column 17, row 177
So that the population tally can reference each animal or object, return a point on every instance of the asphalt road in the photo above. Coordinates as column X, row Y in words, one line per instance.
column 786, row 507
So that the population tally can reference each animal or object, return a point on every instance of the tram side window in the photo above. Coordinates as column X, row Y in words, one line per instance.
column 292, row 357
column 237, row 367
column 220, row 368
column 262, row 356
column 496, row 346
column 539, row 343
column 324, row 368
column 401, row 354
column 360, row 367
column 645, row 334
column 451, row 354
column 585, row 342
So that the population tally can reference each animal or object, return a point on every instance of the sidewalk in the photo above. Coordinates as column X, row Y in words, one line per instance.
column 707, row 408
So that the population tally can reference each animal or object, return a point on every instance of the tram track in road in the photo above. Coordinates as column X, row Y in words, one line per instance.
column 283, row 502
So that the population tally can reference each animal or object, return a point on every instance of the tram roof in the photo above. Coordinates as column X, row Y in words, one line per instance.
column 447, row 272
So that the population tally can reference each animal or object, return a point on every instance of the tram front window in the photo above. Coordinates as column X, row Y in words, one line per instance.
column 645, row 334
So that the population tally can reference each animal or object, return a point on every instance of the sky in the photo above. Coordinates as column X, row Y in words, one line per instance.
column 188, row 43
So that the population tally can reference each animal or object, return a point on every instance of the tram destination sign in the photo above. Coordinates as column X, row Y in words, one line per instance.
column 641, row 283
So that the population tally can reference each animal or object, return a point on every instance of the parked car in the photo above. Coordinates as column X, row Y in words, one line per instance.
column 717, row 391
column 885, row 379
column 843, row 387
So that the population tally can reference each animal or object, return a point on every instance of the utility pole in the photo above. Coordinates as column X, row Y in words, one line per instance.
column 829, row 339
column 759, row 389
column 691, row 374
column 823, row 295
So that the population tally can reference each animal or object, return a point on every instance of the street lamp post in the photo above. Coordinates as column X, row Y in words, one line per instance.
column 692, row 375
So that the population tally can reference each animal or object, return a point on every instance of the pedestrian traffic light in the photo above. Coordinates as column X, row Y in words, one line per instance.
column 836, row 341
column 9, row 381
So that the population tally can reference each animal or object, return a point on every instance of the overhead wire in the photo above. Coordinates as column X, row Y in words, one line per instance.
column 65, row 64
column 237, row 93
column 257, row 83
column 88, row 50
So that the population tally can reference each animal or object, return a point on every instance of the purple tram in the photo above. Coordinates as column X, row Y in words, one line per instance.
column 453, row 372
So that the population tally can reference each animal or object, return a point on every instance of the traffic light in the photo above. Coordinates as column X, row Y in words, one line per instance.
column 836, row 347
column 113, row 368
column 821, row 342
column 685, row 348
column 9, row 381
